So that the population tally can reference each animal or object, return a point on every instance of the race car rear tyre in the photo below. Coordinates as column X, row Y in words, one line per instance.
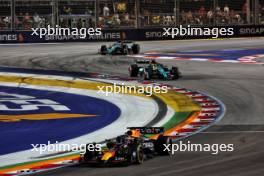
column 133, row 70
column 159, row 145
column 89, row 155
column 103, row 50
column 135, row 49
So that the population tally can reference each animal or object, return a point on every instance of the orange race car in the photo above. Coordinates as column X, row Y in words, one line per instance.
column 131, row 148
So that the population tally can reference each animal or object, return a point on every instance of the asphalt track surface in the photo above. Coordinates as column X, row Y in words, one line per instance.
column 239, row 86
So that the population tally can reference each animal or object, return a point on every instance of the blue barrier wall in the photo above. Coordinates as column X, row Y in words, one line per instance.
column 123, row 34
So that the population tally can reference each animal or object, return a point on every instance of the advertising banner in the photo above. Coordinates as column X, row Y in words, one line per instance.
column 176, row 33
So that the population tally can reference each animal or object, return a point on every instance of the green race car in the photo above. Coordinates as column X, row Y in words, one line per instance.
column 150, row 69
column 120, row 47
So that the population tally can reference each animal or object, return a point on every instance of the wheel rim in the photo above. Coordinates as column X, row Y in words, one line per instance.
column 140, row 155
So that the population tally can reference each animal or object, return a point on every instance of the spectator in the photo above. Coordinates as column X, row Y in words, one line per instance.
column 106, row 11
column 226, row 10
column 173, row 20
column 210, row 16
column 36, row 20
column 202, row 13
column 116, row 19
column 262, row 15
column 2, row 24
column 7, row 21
column 238, row 19
column 244, row 11
column 218, row 9
column 189, row 17
column 126, row 18
column 232, row 15
column 20, row 21
column 27, row 21
column 183, row 17
column 101, row 22
column 167, row 21
column 218, row 14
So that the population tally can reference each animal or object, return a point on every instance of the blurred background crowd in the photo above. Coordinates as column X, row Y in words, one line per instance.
column 25, row 14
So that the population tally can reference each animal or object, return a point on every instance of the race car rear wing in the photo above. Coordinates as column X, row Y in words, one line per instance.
column 142, row 61
column 148, row 130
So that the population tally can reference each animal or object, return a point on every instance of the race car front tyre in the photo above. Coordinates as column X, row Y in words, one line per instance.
column 175, row 73
column 140, row 155
column 133, row 70
column 103, row 50
column 136, row 154
column 160, row 143
column 135, row 49
column 124, row 49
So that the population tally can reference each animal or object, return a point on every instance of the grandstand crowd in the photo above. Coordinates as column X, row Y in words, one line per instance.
column 118, row 14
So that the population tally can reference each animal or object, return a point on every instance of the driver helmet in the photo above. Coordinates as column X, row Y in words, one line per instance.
column 153, row 61
column 133, row 133
column 120, row 139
